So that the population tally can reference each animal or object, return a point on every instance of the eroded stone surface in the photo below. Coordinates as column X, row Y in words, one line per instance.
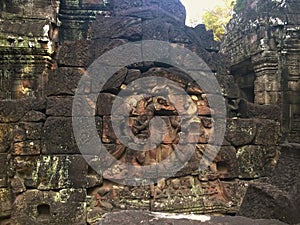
column 277, row 197
column 6, row 131
column 250, row 110
column 256, row 161
column 149, row 218
column 64, row 81
column 262, row 41
column 44, row 179
column 55, row 172
column 13, row 111
column 50, row 207
column 58, row 136
column 240, row 132
column 3, row 173
column 5, row 203
column 28, row 40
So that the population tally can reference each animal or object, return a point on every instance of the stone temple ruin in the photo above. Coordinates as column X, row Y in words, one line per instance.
column 47, row 46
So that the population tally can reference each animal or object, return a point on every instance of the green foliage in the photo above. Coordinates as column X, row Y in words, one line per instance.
column 217, row 18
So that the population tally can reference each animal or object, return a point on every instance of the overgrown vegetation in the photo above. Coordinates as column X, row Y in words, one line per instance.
column 217, row 18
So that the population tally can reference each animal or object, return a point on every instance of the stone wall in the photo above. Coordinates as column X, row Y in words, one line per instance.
column 28, row 36
column 45, row 179
column 76, row 16
column 263, row 45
